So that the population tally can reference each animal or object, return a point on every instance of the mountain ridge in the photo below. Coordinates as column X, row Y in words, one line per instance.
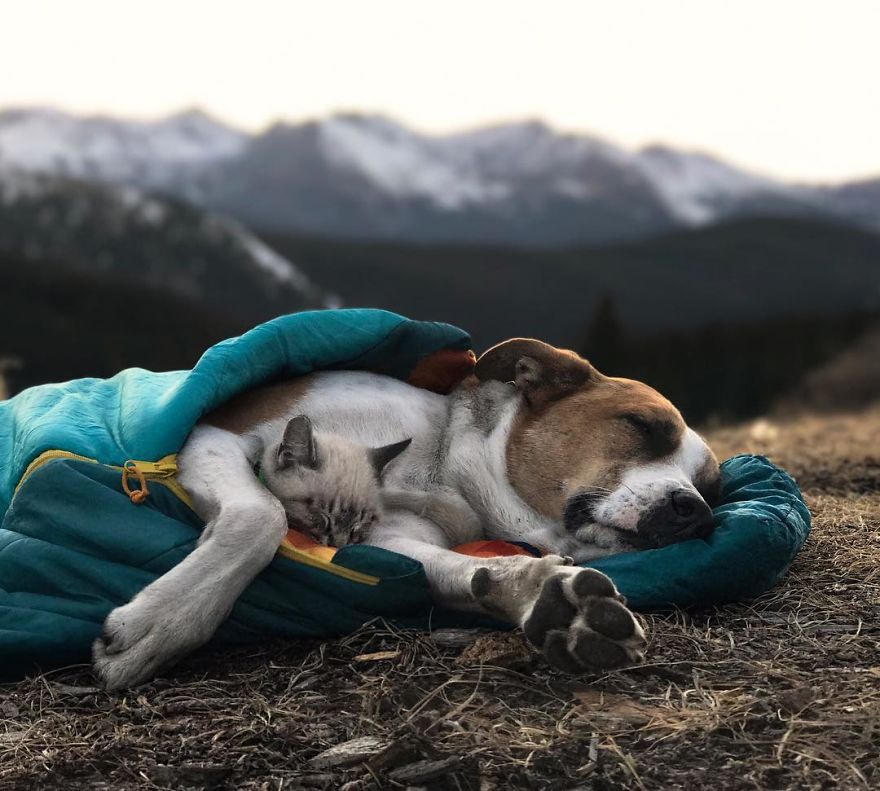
column 367, row 176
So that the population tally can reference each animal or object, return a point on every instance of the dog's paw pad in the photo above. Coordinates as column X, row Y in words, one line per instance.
column 556, row 651
column 552, row 611
column 590, row 582
column 597, row 651
column 610, row 618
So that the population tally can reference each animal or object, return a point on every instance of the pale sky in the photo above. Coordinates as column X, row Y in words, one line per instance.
column 787, row 87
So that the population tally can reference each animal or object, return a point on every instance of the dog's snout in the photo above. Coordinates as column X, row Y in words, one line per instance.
column 579, row 508
column 683, row 515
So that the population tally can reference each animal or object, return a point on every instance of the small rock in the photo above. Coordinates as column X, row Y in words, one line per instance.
column 499, row 649
column 454, row 638
column 422, row 771
column 796, row 700
column 318, row 780
column 208, row 776
column 763, row 430
column 351, row 752
column 76, row 692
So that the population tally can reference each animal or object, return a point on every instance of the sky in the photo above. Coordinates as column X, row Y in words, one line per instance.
column 787, row 88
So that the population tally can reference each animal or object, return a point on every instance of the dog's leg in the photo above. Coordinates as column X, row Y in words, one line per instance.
column 575, row 617
column 183, row 608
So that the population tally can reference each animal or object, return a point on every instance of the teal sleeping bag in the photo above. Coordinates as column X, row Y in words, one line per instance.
column 72, row 546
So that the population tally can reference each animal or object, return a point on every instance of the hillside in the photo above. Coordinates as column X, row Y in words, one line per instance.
column 746, row 271
column 58, row 324
column 141, row 240
column 847, row 380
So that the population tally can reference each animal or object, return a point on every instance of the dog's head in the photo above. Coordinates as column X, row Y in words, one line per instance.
column 610, row 458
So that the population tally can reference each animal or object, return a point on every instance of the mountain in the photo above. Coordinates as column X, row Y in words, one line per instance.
column 858, row 200
column 847, row 381
column 151, row 154
column 141, row 241
column 741, row 272
column 368, row 177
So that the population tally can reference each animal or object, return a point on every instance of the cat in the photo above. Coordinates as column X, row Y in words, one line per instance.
column 332, row 491
column 329, row 487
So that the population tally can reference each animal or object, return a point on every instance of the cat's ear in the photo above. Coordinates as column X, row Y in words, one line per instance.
column 382, row 457
column 298, row 444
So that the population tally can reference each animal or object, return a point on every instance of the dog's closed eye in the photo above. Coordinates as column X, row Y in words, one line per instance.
column 639, row 423
column 658, row 437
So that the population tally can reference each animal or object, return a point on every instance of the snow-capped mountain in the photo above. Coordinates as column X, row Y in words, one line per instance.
column 147, row 153
column 122, row 233
column 367, row 176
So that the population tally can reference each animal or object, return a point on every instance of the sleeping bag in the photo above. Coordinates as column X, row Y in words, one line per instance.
column 92, row 512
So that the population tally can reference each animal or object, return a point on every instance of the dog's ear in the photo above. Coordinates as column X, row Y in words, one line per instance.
column 541, row 372
column 298, row 445
column 382, row 457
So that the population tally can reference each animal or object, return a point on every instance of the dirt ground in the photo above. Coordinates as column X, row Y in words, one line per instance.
column 783, row 692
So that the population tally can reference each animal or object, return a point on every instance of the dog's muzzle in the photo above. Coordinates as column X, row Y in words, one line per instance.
column 683, row 515
column 679, row 516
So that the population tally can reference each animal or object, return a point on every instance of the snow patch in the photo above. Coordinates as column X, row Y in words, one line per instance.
column 273, row 263
column 692, row 185
column 404, row 164
column 149, row 152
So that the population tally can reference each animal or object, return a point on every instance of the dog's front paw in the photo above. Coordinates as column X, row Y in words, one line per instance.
column 140, row 638
column 575, row 617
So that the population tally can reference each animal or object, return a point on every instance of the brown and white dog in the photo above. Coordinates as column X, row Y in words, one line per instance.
column 540, row 445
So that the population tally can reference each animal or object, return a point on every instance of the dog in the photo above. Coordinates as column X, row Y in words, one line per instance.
column 543, row 448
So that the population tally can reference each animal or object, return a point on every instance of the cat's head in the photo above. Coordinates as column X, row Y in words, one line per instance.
column 329, row 487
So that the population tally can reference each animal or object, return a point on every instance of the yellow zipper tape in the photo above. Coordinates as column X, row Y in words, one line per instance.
column 310, row 560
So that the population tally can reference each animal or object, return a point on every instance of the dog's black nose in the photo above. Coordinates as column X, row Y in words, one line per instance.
column 684, row 503
column 683, row 515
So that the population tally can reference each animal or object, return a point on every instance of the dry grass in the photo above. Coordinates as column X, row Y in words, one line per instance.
column 783, row 692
